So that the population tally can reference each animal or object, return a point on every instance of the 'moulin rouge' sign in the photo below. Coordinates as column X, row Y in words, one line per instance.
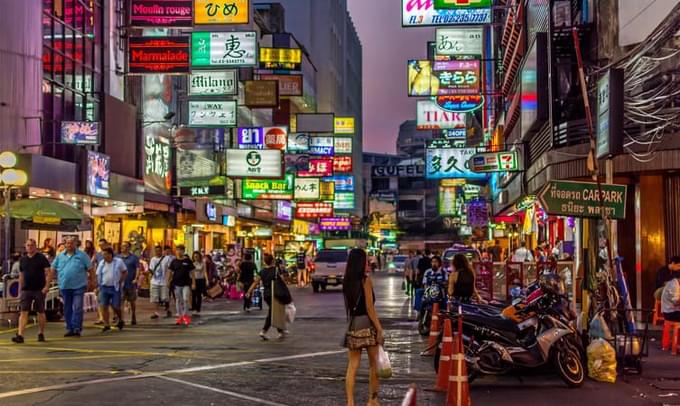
column 161, row 13
column 159, row 55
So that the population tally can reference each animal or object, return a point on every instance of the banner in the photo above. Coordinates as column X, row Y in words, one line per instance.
column 310, row 210
column 267, row 189
column 289, row 85
column 160, row 13
column 213, row 83
column 429, row 116
column 218, row 49
column 212, row 113
column 307, row 189
column 422, row 13
column 221, row 12
column 158, row 55
column 250, row 163
column 318, row 167
column 450, row 163
column 460, row 41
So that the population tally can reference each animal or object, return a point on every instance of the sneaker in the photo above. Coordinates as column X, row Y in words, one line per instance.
column 120, row 324
column 134, row 321
column 18, row 339
column 282, row 335
column 70, row 334
column 99, row 323
column 263, row 336
column 168, row 314
column 41, row 337
column 106, row 328
column 155, row 316
column 186, row 320
column 76, row 334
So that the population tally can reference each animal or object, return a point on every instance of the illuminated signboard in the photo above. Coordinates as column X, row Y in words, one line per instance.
column 342, row 164
column 343, row 183
column 321, row 145
column 444, row 143
column 251, row 163
column 212, row 113
column 250, row 137
column 318, row 167
column 344, row 125
column 221, row 12
column 455, row 133
column 495, row 162
column 80, row 132
column 280, row 58
column 460, row 103
column 267, row 189
column 160, row 13
column 289, row 85
column 157, row 173
column 203, row 191
column 261, row 93
column 459, row 41
column 307, row 189
column 402, row 171
column 342, row 145
column 230, row 49
column 448, row 203
column 98, row 174
column 421, row 13
column 284, row 210
column 297, row 162
column 158, row 55
column 449, row 163
column 298, row 143
column 440, row 78
column 213, row 83
column 452, row 4
column 309, row 210
column 429, row 116
column 335, row 224
column 327, row 191
column 276, row 137
column 344, row 201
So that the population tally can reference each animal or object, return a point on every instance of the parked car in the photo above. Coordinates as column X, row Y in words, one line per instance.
column 329, row 269
column 398, row 263
column 471, row 254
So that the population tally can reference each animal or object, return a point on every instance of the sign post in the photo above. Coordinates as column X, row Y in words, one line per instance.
column 584, row 199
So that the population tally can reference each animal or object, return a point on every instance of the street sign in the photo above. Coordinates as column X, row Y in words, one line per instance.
column 507, row 161
column 582, row 199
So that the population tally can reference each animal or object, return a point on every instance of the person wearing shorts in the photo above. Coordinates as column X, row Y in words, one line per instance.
column 111, row 274
column 130, row 288
column 158, row 287
column 34, row 279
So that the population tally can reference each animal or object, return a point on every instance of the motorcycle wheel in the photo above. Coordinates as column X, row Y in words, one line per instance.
column 424, row 321
column 569, row 366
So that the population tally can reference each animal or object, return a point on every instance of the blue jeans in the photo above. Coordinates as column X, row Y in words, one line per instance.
column 73, row 308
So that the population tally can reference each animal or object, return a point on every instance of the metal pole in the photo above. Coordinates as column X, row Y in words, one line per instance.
column 8, row 263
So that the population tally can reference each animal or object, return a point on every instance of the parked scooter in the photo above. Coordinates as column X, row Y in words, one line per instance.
column 432, row 294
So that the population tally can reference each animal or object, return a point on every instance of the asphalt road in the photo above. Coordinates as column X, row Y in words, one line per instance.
column 220, row 360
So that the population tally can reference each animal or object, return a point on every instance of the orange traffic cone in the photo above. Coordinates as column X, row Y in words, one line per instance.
column 445, row 358
column 459, row 390
column 434, row 332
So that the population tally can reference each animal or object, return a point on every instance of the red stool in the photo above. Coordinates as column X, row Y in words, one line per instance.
column 671, row 332
column 657, row 316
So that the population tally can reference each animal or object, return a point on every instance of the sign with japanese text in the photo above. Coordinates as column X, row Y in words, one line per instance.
column 335, row 224
column 298, row 142
column 582, row 199
column 344, row 125
column 326, row 191
column 344, row 201
column 343, row 183
column 321, row 145
column 212, row 113
column 213, row 83
column 421, row 13
column 430, row 117
column 203, row 191
column 276, row 137
column 401, row 171
column 495, row 162
column 261, row 93
column 157, row 174
column 223, row 49
column 342, row 145
column 158, row 55
column 446, row 163
column 441, row 78
column 221, row 12
column 460, row 41
column 80, row 132
column 252, row 163
column 342, row 164
column 318, row 167
column 250, row 137
column 160, row 13
column 307, row 189
column 280, row 58
column 289, row 85
column 310, row 210
column 451, row 4
column 267, row 189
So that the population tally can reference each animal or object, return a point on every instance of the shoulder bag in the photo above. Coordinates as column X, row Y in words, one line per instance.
column 360, row 331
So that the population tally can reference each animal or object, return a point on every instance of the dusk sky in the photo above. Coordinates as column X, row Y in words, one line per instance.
column 386, row 48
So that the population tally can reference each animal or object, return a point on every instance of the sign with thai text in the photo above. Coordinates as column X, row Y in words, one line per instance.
column 342, row 145
column 584, row 199
column 250, row 137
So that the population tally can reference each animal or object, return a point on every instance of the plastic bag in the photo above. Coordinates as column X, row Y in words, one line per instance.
column 601, row 361
column 384, row 366
column 290, row 312
column 599, row 328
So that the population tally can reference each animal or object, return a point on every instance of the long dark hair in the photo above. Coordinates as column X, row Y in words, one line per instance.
column 355, row 273
column 461, row 263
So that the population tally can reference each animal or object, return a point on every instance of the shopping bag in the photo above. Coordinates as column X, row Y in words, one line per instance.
column 215, row 291
column 599, row 328
column 418, row 299
column 601, row 361
column 290, row 312
column 384, row 365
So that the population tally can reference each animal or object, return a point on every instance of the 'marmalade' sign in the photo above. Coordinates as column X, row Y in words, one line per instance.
column 159, row 55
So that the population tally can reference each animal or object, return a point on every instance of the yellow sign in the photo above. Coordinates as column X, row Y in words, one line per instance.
column 281, row 55
column 344, row 125
column 327, row 191
column 300, row 227
column 221, row 11
column 451, row 182
column 46, row 220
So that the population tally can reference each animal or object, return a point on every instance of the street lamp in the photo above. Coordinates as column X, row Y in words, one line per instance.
column 10, row 178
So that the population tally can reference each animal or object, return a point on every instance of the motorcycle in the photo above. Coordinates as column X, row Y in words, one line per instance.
column 527, row 335
column 432, row 294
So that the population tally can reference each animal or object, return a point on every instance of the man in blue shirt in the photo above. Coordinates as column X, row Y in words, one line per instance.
column 72, row 267
column 111, row 274
column 130, row 288
column 435, row 275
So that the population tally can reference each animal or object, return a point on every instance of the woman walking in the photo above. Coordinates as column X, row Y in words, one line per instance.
column 364, row 330
column 199, row 284
column 267, row 276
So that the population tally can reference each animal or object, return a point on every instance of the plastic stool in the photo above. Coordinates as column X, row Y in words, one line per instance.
column 657, row 316
column 671, row 331
column 90, row 302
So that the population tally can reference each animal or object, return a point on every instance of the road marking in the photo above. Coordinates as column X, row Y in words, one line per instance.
column 224, row 392
column 63, row 358
column 29, row 391
column 71, row 371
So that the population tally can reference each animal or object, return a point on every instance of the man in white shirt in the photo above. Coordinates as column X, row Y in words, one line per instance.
column 111, row 274
column 522, row 254
column 158, row 289
column 670, row 299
